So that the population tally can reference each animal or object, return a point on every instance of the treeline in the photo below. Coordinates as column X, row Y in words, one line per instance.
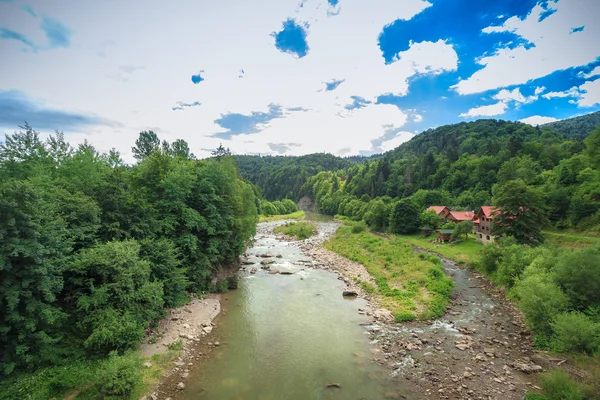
column 93, row 250
column 280, row 177
column 578, row 127
column 462, row 166
column 557, row 290
column 277, row 207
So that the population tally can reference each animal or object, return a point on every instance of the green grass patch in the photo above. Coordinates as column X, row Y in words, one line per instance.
column 461, row 251
column 124, row 377
column 301, row 230
column 270, row 218
column 571, row 240
column 411, row 286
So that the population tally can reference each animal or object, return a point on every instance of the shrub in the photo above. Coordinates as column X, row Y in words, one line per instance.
column 405, row 217
column 233, row 282
column 535, row 396
column 222, row 286
column 403, row 316
column 540, row 300
column 175, row 346
column 576, row 332
column 120, row 376
column 559, row 386
column 359, row 227
column 578, row 273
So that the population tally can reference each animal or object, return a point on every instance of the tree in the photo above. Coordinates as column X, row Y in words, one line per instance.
column 147, row 143
column 592, row 144
column 404, row 218
column 521, row 212
column 33, row 248
column 221, row 151
column 463, row 228
column 180, row 148
column 432, row 219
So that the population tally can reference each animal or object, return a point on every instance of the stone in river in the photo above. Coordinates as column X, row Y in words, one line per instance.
column 349, row 293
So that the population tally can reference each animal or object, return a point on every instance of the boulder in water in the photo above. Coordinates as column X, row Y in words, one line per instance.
column 349, row 293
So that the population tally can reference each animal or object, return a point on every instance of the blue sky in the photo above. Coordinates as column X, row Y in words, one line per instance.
column 292, row 76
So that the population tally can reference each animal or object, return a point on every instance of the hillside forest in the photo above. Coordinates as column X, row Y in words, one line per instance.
column 92, row 250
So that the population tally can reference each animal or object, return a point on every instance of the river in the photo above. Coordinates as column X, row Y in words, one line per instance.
column 285, row 337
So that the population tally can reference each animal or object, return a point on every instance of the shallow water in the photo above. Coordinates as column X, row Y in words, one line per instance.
column 287, row 336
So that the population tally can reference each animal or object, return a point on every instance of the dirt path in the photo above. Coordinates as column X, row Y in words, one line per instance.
column 479, row 350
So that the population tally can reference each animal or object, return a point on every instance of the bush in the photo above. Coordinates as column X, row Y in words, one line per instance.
column 540, row 300
column 559, row 386
column 576, row 332
column 535, row 396
column 578, row 274
column 233, row 282
column 405, row 217
column 222, row 286
column 301, row 230
column 359, row 227
column 120, row 376
column 403, row 316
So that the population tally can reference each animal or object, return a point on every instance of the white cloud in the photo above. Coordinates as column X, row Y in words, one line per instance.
column 594, row 72
column 539, row 90
column 538, row 120
column 486, row 111
column 400, row 138
column 197, row 37
column 590, row 95
column 573, row 92
column 514, row 95
column 555, row 48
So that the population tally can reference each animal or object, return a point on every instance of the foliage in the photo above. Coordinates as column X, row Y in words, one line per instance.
column 294, row 215
column 300, row 230
column 577, row 127
column 521, row 212
column 119, row 377
column 404, row 218
column 92, row 250
column 578, row 274
column 557, row 385
column 431, row 219
column 576, row 332
column 463, row 228
column 410, row 286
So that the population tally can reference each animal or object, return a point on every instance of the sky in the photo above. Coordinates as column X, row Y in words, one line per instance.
column 291, row 77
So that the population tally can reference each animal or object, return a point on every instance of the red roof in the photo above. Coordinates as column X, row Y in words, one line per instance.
column 488, row 211
column 462, row 215
column 476, row 221
column 437, row 209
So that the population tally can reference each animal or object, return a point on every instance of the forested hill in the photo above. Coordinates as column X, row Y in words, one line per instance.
column 283, row 176
column 578, row 127
column 461, row 165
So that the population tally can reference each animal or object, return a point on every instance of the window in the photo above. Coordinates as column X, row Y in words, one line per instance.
column 487, row 237
column 480, row 236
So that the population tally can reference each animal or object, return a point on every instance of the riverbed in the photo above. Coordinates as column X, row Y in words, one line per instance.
column 291, row 336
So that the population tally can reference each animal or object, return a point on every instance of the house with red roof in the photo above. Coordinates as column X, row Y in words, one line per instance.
column 483, row 223
column 442, row 211
column 460, row 216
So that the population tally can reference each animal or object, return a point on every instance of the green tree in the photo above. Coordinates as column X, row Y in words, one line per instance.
column 147, row 143
column 463, row 228
column 432, row 219
column 521, row 212
column 34, row 244
column 404, row 218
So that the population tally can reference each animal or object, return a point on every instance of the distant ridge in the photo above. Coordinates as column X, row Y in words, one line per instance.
column 577, row 127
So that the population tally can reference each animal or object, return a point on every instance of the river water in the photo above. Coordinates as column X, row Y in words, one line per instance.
column 287, row 336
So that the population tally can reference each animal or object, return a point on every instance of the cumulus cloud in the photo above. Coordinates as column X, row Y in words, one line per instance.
column 538, row 120
column 486, row 111
column 554, row 48
column 590, row 94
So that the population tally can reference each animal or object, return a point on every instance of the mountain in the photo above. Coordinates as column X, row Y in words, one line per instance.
column 281, row 177
column 577, row 127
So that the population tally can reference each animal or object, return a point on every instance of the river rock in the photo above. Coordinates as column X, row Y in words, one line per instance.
column 527, row 368
column 267, row 262
column 147, row 364
column 349, row 293
column 247, row 262
column 279, row 256
column 180, row 386
column 333, row 385
column 267, row 255
column 273, row 272
column 286, row 273
column 207, row 329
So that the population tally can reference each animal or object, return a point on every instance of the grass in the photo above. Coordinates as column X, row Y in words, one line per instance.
column 464, row 252
column 301, row 230
column 411, row 286
column 77, row 379
column 270, row 218
column 571, row 240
